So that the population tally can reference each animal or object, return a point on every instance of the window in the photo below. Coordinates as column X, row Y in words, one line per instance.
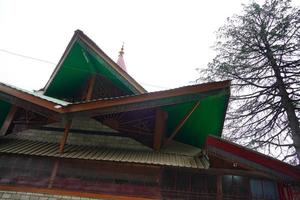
column 204, row 183
column 263, row 189
column 235, row 185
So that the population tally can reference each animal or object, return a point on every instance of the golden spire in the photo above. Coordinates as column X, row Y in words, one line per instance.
column 121, row 52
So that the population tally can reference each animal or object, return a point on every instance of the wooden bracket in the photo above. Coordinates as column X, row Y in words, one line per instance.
column 90, row 89
column 181, row 123
column 8, row 120
column 160, row 125
column 65, row 136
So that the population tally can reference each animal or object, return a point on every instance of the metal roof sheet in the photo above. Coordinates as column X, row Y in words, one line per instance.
column 28, row 147
column 38, row 94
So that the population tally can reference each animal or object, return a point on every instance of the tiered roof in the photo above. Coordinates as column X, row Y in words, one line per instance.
column 86, row 82
column 119, row 114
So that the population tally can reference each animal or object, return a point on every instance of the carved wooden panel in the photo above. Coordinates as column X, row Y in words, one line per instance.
column 25, row 119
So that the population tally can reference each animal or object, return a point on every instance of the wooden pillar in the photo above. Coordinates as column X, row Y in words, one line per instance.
column 181, row 123
column 90, row 89
column 8, row 120
column 160, row 125
column 53, row 173
column 219, row 188
column 65, row 136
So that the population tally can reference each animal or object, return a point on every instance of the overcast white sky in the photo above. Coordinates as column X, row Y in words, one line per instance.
column 165, row 41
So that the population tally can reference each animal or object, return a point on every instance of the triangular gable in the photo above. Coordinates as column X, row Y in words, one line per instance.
column 82, row 60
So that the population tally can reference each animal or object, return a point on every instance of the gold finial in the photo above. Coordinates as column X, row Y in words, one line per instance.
column 122, row 50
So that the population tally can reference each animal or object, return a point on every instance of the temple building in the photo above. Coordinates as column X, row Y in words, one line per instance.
column 94, row 132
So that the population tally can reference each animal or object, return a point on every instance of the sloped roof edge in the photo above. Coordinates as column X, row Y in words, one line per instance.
column 50, row 102
column 110, row 102
column 252, row 156
column 47, row 102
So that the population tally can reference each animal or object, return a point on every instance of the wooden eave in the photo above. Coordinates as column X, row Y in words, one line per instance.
column 112, row 102
column 121, row 155
column 142, row 98
column 29, row 98
column 80, row 36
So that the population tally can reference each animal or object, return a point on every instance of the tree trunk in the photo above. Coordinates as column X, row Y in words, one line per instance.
column 287, row 103
column 290, row 111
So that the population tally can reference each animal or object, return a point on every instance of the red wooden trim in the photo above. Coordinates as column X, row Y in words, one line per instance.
column 65, row 136
column 253, row 156
column 71, row 193
column 8, row 120
column 160, row 124
column 181, row 123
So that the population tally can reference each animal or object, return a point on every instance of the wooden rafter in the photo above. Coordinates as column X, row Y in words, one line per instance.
column 160, row 124
column 65, row 136
column 181, row 123
column 8, row 120
column 90, row 88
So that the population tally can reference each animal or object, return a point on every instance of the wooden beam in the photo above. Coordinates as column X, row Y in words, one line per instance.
column 8, row 120
column 53, row 173
column 219, row 188
column 181, row 123
column 90, row 89
column 131, row 101
column 159, row 129
column 77, row 193
column 16, row 96
column 65, row 136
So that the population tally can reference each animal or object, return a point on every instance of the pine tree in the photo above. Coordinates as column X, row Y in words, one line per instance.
column 260, row 51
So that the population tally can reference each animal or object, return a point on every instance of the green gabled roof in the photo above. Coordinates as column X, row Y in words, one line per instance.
column 207, row 119
column 82, row 59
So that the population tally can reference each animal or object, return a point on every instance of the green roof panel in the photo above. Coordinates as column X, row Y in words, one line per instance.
column 80, row 63
column 207, row 119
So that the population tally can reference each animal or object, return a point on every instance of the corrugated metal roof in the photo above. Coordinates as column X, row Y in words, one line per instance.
column 39, row 95
column 36, row 148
